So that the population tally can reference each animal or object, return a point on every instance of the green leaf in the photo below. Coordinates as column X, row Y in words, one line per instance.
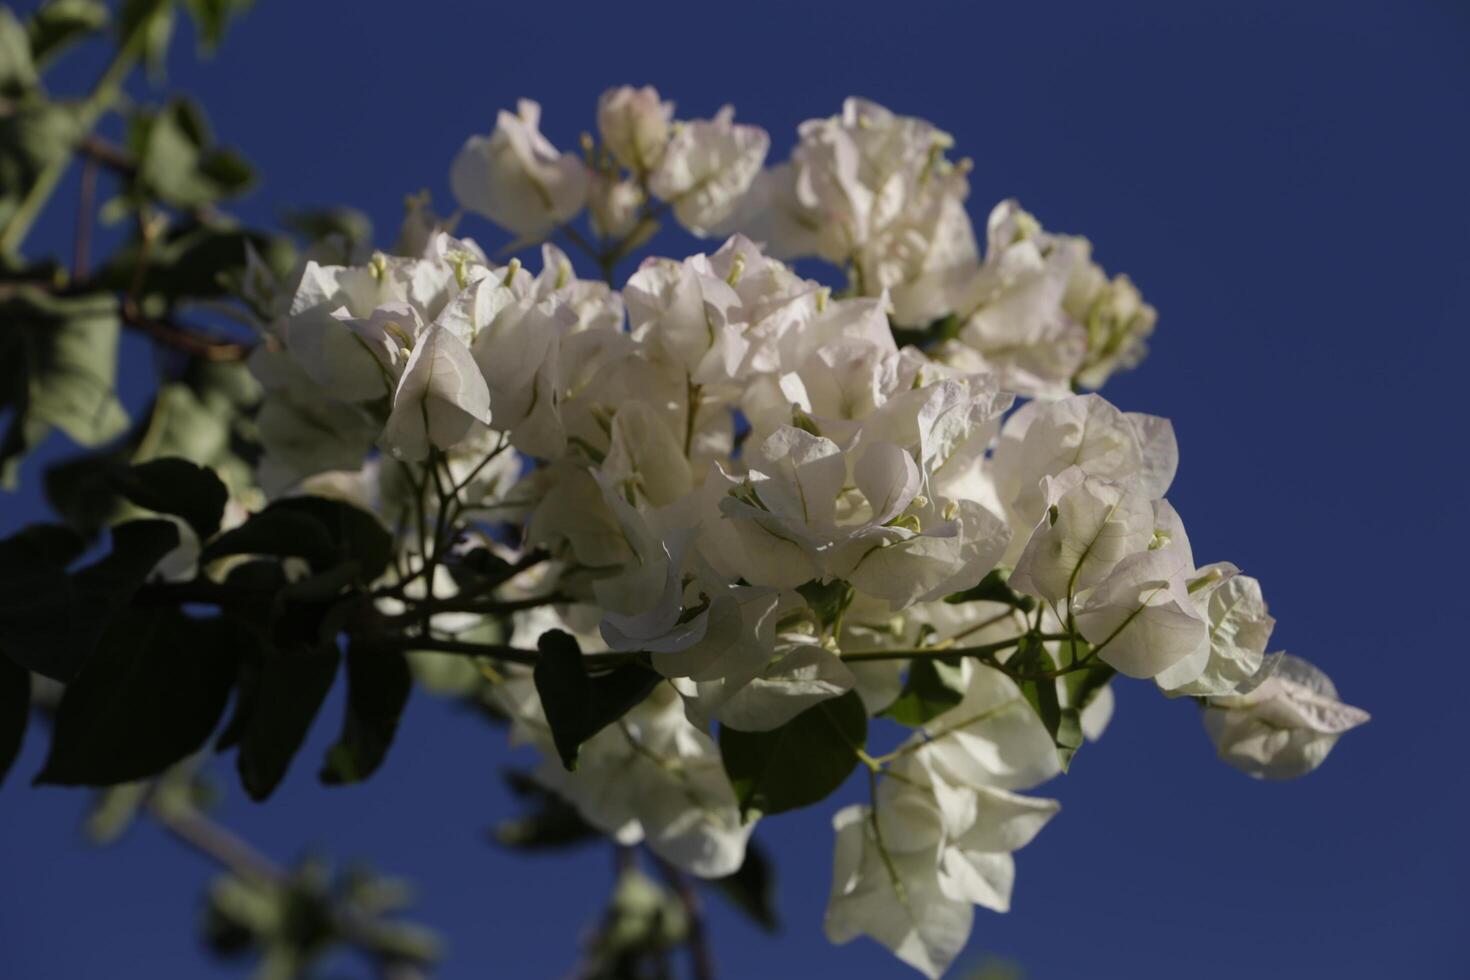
column 178, row 487
column 191, row 261
column 1063, row 724
column 50, row 620
column 17, row 70
column 378, row 684
column 931, row 688
column 553, row 823
column 993, row 588
column 801, row 762
column 352, row 228
column 176, row 162
column 61, row 23
column 578, row 705
column 58, row 368
column 211, row 17
column 34, row 135
column 828, row 600
column 325, row 533
column 287, row 691
column 149, row 24
column 15, row 711
column 150, row 696
column 752, row 889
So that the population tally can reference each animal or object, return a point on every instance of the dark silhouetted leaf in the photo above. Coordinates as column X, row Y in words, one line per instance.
column 287, row 692
column 378, row 684
column 326, row 533
column 150, row 695
column 50, row 620
column 177, row 487
column 15, row 710
column 579, row 705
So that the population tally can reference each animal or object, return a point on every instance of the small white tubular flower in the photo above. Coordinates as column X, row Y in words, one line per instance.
column 1089, row 526
column 1239, row 629
column 634, row 125
column 516, row 178
column 439, row 398
column 1116, row 318
column 1285, row 727
column 708, row 168
column 908, row 870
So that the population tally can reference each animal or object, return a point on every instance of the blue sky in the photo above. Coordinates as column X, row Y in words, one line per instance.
column 1285, row 182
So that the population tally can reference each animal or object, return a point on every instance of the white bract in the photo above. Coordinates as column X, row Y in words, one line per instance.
column 1285, row 726
column 516, row 178
column 739, row 479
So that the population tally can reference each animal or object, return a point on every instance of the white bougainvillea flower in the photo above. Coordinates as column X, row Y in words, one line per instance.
column 763, row 685
column 991, row 738
column 614, row 204
column 708, row 168
column 650, row 776
column 1085, row 431
column 921, row 925
column 1010, row 309
column 635, row 126
column 1239, row 629
column 303, row 429
column 1141, row 619
column 1284, row 727
column 909, row 869
column 516, row 178
column 440, row 398
column 1116, row 318
column 689, row 316
column 1090, row 525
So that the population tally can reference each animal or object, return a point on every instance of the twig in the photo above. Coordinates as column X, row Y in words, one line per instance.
column 182, row 338
column 234, row 853
column 701, row 960
column 86, row 205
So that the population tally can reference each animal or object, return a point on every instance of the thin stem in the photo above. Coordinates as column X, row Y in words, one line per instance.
column 217, row 842
column 701, row 960
column 86, row 205
column 936, row 653
column 87, row 114
column 232, row 852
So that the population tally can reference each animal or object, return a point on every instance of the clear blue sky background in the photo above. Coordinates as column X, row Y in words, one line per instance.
column 1288, row 185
